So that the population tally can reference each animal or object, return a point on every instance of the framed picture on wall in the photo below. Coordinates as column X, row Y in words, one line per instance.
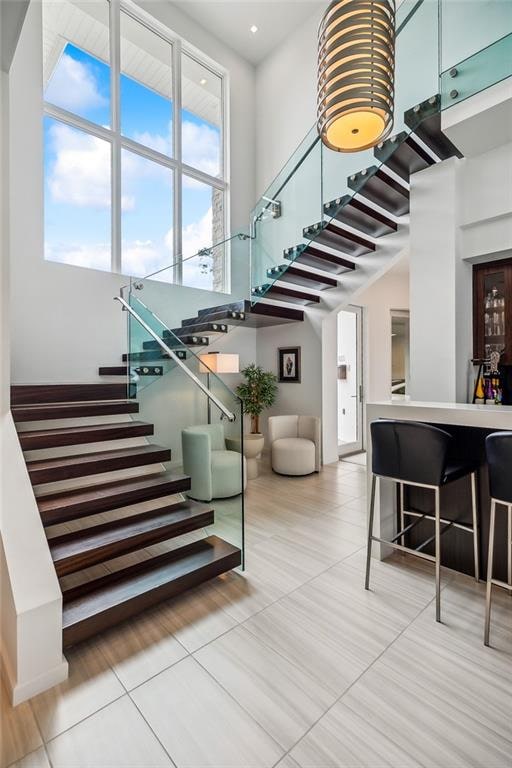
column 289, row 364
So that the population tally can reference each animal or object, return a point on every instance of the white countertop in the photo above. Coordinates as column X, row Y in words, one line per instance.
column 465, row 414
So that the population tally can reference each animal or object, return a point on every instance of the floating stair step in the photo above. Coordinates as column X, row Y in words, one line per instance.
column 113, row 370
column 73, row 411
column 152, row 356
column 53, row 438
column 281, row 293
column 349, row 210
column 425, row 120
column 298, row 276
column 194, row 341
column 314, row 257
column 69, row 467
column 81, row 502
column 102, row 603
column 74, row 551
column 36, row 394
column 403, row 155
column 222, row 316
column 330, row 234
column 378, row 187
column 201, row 329
column 258, row 315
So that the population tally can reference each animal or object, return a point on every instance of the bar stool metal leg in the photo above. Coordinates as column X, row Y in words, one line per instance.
column 489, row 574
column 438, row 555
column 476, row 547
column 402, row 516
column 509, row 551
column 370, row 534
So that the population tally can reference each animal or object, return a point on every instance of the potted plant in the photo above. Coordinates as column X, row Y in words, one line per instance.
column 257, row 392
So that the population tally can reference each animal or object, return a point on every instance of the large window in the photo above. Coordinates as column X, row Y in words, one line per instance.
column 134, row 147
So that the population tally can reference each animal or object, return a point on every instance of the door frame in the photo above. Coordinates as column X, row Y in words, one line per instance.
column 358, row 445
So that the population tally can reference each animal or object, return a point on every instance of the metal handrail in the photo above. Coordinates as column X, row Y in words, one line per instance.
column 227, row 413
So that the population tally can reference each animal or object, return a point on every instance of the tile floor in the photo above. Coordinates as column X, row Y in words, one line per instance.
column 291, row 664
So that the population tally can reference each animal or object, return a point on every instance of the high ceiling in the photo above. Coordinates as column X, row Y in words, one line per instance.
column 231, row 22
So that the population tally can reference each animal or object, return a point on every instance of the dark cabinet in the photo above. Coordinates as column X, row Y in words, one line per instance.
column 492, row 310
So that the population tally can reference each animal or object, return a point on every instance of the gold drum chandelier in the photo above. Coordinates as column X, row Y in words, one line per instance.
column 356, row 61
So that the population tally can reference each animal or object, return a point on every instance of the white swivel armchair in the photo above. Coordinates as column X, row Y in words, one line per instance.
column 295, row 444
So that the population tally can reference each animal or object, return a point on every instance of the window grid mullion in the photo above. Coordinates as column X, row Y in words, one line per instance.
column 178, row 174
column 116, row 182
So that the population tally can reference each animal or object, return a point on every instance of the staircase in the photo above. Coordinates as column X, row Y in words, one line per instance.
column 357, row 225
column 94, row 520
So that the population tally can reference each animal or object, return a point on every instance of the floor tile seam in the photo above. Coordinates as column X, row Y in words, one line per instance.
column 358, row 678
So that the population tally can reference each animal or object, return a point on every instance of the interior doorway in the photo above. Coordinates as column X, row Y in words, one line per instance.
column 350, row 380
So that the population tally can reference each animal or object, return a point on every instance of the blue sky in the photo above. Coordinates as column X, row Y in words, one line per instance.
column 77, row 174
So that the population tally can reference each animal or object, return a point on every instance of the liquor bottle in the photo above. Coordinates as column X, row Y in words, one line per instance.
column 489, row 392
column 479, row 391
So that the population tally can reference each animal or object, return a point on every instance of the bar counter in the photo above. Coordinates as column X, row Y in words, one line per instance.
column 469, row 425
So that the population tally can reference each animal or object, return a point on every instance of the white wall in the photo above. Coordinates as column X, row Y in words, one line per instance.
column 470, row 201
column 285, row 99
column 30, row 598
column 303, row 398
column 64, row 321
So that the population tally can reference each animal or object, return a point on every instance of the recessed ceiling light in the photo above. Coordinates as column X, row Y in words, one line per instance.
column 203, row 81
column 254, row 29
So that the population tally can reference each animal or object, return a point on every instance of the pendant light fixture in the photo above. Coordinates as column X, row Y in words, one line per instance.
column 356, row 61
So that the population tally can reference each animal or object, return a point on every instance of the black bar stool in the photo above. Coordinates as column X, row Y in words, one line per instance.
column 498, row 448
column 412, row 453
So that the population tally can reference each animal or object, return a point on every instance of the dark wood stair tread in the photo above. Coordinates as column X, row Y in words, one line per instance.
column 53, row 438
column 280, row 293
column 403, row 155
column 68, row 467
column 81, row 549
column 190, row 341
column 314, row 257
column 298, row 276
column 37, row 394
column 201, row 329
column 425, row 120
column 349, row 210
column 73, row 410
column 228, row 316
column 104, row 602
column 258, row 315
column 380, row 188
column 89, row 500
column 113, row 370
column 334, row 236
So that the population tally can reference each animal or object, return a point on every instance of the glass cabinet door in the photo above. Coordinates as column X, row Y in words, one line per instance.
column 493, row 311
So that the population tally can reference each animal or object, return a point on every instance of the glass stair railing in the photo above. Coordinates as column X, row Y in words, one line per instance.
column 185, row 394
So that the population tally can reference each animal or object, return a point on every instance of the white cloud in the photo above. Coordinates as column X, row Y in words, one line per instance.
column 93, row 256
column 73, row 86
column 80, row 172
column 201, row 148
column 156, row 141
column 143, row 258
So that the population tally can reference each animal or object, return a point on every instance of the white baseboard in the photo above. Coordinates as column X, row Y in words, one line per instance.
column 20, row 692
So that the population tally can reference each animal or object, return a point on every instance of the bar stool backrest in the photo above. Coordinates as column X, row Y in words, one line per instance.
column 498, row 448
column 409, row 451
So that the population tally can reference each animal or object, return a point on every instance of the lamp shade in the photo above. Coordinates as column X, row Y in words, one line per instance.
column 356, row 58
column 219, row 362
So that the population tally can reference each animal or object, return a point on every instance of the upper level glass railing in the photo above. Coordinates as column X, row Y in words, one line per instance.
column 317, row 180
column 476, row 47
